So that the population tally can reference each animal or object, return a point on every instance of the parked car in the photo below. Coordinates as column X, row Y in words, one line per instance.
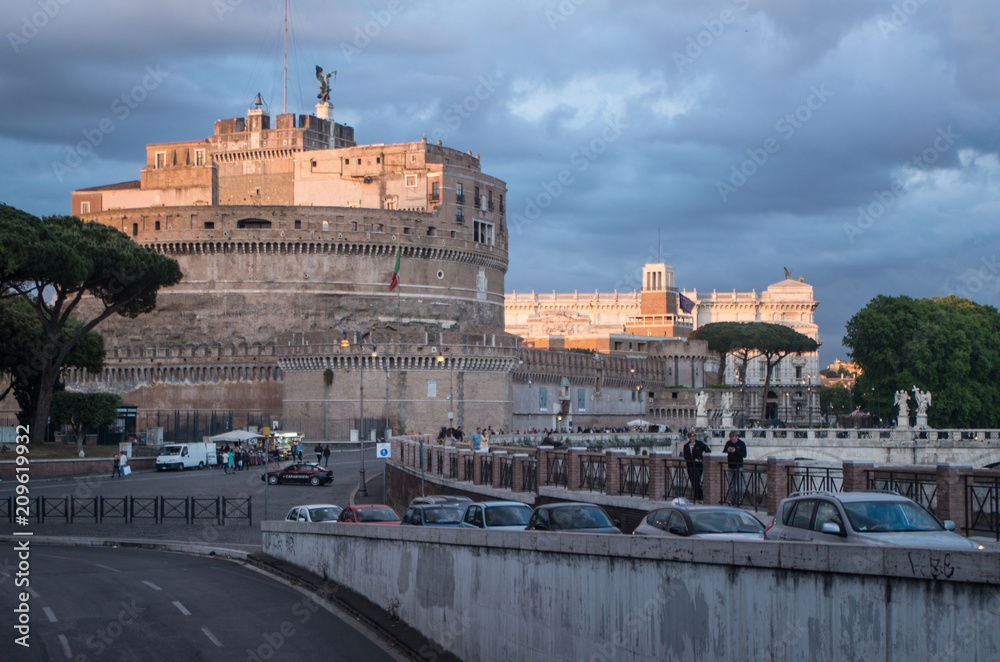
column 571, row 518
column 866, row 518
column 371, row 513
column 459, row 501
column 496, row 515
column 686, row 520
column 317, row 512
column 444, row 514
column 302, row 472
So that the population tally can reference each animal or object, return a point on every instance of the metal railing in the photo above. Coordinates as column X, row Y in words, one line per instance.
column 677, row 483
column 131, row 509
column 469, row 467
column 440, row 464
column 507, row 473
column 558, row 471
column 815, row 479
column 453, row 467
column 486, row 469
column 982, row 505
column 593, row 472
column 634, row 476
column 529, row 474
column 921, row 487
column 751, row 490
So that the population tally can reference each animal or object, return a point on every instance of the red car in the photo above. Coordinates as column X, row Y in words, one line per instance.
column 372, row 513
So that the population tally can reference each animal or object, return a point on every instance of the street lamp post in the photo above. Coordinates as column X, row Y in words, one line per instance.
column 786, row 408
column 362, row 486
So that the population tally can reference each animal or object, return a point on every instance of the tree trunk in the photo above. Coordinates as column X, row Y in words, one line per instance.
column 43, row 403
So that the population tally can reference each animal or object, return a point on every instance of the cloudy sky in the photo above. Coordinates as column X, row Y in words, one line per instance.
column 852, row 141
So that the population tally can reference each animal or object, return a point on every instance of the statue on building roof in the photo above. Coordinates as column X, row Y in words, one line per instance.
column 324, row 84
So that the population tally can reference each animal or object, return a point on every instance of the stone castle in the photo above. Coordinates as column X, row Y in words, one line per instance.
column 288, row 234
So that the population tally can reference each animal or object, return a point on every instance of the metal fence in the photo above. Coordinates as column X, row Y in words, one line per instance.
column 529, row 474
column 558, row 473
column 593, row 472
column 815, row 479
column 982, row 505
column 746, row 487
column 634, row 472
column 100, row 509
column 921, row 487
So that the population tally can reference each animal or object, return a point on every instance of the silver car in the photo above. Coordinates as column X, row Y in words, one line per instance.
column 503, row 515
column 866, row 518
column 682, row 519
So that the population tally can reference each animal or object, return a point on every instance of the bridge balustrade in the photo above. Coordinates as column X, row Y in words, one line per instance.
column 952, row 491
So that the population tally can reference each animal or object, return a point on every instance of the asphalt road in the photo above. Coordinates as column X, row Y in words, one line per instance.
column 123, row 604
column 204, row 484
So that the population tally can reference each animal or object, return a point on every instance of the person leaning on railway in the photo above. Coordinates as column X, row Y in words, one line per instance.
column 736, row 451
column 694, row 449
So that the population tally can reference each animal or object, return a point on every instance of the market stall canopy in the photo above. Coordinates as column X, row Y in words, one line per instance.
column 638, row 423
column 236, row 435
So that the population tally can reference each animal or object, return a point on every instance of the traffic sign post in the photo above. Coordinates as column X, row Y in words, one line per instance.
column 383, row 451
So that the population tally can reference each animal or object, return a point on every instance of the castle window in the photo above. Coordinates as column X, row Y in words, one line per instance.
column 354, row 226
column 199, row 157
column 157, row 226
column 798, row 372
column 432, row 388
column 298, row 224
column 430, row 231
column 84, row 207
column 209, row 225
column 543, row 399
column 135, row 229
column 460, row 215
column 482, row 232
column 435, row 191
column 581, row 399
column 359, row 161
column 411, row 180
column 390, row 203
column 378, row 159
column 326, row 226
column 161, row 159
column 347, row 162
column 253, row 224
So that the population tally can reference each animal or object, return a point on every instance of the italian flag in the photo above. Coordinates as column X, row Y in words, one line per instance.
column 394, row 283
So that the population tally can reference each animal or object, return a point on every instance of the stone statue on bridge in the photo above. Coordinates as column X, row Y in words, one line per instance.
column 727, row 404
column 701, row 404
column 923, row 399
column 701, row 409
column 902, row 401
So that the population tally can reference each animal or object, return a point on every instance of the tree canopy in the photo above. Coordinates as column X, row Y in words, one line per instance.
column 24, row 349
column 949, row 346
column 54, row 264
column 748, row 340
column 80, row 411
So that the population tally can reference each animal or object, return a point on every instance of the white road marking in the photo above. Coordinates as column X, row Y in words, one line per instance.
column 181, row 608
column 34, row 593
column 52, row 617
column 107, row 567
column 65, row 645
column 211, row 637
column 152, row 585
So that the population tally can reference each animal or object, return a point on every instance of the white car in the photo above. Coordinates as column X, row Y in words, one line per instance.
column 317, row 512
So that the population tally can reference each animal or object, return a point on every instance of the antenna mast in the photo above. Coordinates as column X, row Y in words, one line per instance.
column 284, row 96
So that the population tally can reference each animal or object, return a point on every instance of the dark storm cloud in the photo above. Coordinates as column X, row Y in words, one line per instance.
column 853, row 141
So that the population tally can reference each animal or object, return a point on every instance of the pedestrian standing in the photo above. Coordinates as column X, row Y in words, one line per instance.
column 117, row 467
column 319, row 453
column 476, row 438
column 326, row 456
column 694, row 449
column 123, row 463
column 299, row 450
column 735, row 450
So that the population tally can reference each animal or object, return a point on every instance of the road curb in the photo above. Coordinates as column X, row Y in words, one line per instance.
column 134, row 543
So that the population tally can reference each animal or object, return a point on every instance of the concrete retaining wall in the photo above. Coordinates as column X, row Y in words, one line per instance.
column 525, row 596
column 77, row 467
